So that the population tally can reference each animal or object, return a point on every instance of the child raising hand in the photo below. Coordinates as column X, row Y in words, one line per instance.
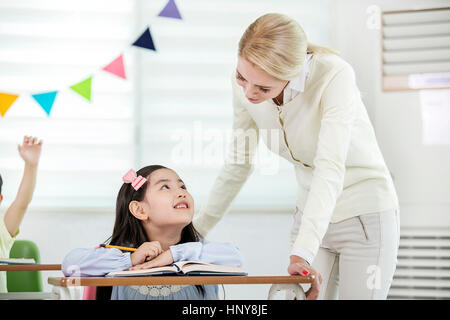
column 30, row 152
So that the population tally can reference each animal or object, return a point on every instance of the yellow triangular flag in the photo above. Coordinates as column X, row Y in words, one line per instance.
column 6, row 101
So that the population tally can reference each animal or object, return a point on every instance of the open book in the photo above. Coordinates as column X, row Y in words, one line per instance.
column 188, row 268
column 16, row 261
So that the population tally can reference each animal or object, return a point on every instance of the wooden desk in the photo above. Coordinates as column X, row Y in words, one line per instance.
column 174, row 280
column 63, row 284
column 29, row 267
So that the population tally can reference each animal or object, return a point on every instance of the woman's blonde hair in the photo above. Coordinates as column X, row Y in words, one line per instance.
column 278, row 45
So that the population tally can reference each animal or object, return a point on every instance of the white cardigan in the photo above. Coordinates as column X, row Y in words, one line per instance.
column 325, row 132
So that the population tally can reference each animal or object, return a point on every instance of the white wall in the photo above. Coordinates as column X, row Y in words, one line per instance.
column 421, row 171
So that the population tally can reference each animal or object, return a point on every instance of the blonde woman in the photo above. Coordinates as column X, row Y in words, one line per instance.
column 346, row 223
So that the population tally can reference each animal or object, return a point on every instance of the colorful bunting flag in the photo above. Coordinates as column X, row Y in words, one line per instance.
column 170, row 11
column 46, row 100
column 116, row 67
column 145, row 41
column 83, row 88
column 6, row 101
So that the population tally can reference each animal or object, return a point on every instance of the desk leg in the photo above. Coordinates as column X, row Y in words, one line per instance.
column 66, row 293
column 294, row 288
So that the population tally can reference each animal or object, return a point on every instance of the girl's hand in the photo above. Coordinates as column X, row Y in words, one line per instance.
column 299, row 266
column 30, row 150
column 146, row 252
column 163, row 259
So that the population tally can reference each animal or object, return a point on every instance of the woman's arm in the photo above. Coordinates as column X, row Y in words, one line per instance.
column 237, row 168
column 338, row 108
column 83, row 262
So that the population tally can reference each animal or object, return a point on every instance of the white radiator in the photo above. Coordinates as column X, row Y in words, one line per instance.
column 423, row 268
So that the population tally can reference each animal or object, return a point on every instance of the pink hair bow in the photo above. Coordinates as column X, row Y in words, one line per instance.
column 136, row 181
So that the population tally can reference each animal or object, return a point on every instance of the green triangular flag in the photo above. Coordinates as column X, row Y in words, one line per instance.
column 83, row 88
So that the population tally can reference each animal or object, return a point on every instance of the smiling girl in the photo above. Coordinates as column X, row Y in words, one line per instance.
column 154, row 214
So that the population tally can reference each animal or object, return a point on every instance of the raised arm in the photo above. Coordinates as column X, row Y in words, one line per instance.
column 30, row 152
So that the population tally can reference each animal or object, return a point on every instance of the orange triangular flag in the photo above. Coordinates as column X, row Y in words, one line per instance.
column 116, row 67
column 6, row 101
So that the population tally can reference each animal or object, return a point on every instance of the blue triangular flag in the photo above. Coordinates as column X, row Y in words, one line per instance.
column 170, row 10
column 46, row 100
column 145, row 41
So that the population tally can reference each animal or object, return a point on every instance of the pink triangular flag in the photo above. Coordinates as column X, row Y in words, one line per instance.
column 116, row 67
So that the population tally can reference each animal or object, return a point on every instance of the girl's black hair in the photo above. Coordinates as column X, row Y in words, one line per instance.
column 1, row 184
column 128, row 230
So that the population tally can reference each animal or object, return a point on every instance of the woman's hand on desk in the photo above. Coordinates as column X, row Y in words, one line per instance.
column 299, row 266
column 146, row 252
column 163, row 259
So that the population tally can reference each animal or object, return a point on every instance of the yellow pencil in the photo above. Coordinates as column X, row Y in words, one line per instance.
column 117, row 247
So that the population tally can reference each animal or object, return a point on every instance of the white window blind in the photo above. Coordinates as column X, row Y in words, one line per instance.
column 181, row 89
column 416, row 49
column 51, row 45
